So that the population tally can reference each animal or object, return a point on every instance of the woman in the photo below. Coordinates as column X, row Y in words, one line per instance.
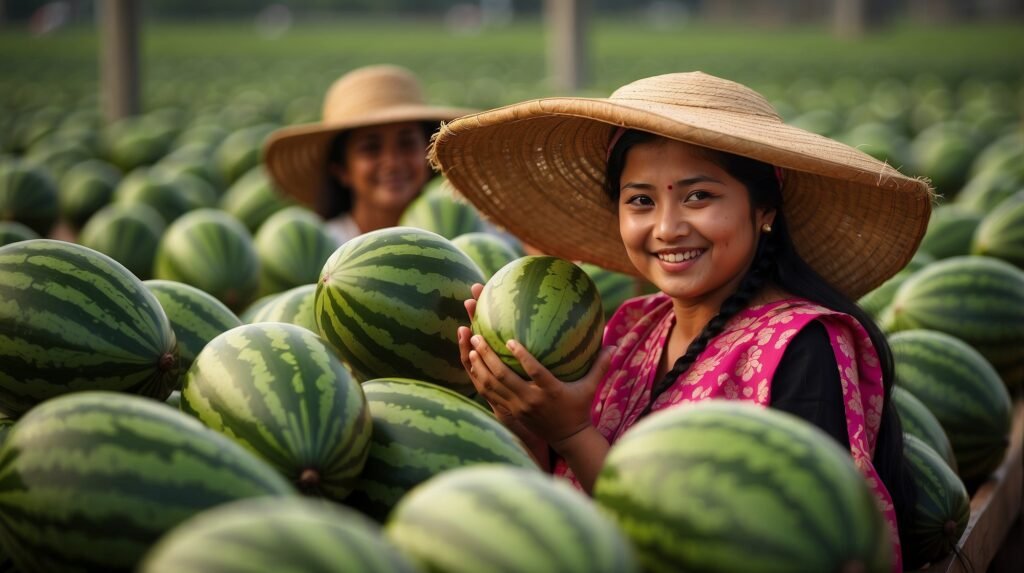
column 365, row 162
column 760, row 236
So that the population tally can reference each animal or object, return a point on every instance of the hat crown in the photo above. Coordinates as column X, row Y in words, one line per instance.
column 370, row 90
column 700, row 90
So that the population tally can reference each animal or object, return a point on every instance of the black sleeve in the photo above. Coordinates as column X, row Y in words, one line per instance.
column 806, row 383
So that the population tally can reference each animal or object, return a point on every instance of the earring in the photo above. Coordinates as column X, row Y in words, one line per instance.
column 767, row 228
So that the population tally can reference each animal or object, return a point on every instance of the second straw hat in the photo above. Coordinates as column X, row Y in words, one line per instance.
column 296, row 156
column 537, row 168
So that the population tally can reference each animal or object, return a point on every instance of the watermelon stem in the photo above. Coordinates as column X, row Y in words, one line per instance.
column 168, row 361
column 309, row 479
column 853, row 567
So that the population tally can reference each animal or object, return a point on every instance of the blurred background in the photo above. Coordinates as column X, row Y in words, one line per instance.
column 924, row 84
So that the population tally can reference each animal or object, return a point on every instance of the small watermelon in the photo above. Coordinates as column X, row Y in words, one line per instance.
column 29, row 196
column 196, row 317
column 441, row 213
column 942, row 507
column 128, row 233
column 292, row 246
column 488, row 251
column 294, row 306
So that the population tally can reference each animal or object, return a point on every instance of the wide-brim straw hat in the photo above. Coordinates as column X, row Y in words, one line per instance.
column 537, row 168
column 296, row 156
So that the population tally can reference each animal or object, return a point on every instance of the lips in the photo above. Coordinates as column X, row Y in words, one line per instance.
column 679, row 256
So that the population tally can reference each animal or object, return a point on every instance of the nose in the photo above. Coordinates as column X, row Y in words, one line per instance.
column 671, row 223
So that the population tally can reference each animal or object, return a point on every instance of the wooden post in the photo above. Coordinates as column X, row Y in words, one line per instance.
column 849, row 18
column 567, row 43
column 119, row 58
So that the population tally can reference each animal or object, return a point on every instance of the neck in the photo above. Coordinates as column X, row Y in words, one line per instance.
column 369, row 219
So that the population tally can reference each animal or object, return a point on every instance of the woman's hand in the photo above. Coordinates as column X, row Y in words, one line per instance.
column 545, row 406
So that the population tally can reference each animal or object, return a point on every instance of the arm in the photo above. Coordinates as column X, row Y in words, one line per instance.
column 806, row 383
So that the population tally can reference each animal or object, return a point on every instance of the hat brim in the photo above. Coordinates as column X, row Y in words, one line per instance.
column 538, row 168
column 296, row 156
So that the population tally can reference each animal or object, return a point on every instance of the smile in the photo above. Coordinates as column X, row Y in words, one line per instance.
column 678, row 257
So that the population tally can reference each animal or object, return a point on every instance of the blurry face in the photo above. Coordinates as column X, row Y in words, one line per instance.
column 385, row 165
column 685, row 222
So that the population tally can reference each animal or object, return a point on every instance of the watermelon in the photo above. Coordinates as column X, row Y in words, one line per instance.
column 152, row 188
column 488, row 251
column 503, row 518
column 128, row 233
column 420, row 430
column 918, row 421
column 260, row 535
column 964, row 393
column 240, row 151
column 5, row 427
column 942, row 508
column 294, row 306
column 390, row 303
column 255, row 306
column 277, row 390
column 1001, row 233
column 85, row 189
column 441, row 213
column 548, row 305
column 198, row 192
column 13, row 231
column 730, row 486
column 292, row 246
column 73, row 319
column 987, row 190
column 877, row 301
column 616, row 288
column 944, row 152
column 57, row 153
column 195, row 316
column 253, row 199
column 90, row 481
column 28, row 195
column 980, row 300
column 950, row 232
column 212, row 251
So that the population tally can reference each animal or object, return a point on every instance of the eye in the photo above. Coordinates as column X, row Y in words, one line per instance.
column 698, row 196
column 640, row 201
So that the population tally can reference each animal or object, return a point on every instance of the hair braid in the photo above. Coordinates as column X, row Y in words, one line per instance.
column 751, row 284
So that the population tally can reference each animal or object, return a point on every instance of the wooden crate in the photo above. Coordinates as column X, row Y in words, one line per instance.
column 994, row 538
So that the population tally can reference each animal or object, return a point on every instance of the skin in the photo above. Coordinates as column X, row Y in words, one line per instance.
column 385, row 168
column 674, row 203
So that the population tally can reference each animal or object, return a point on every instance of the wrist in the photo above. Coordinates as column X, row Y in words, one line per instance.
column 573, row 441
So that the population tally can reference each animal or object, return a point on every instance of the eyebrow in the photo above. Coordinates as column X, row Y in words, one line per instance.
column 681, row 183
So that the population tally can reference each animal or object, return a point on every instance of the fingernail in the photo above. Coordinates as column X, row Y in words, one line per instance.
column 476, row 340
column 511, row 345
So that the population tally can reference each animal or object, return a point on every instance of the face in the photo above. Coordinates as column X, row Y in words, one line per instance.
column 686, row 223
column 385, row 165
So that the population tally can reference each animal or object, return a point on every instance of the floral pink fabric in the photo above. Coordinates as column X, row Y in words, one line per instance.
column 739, row 364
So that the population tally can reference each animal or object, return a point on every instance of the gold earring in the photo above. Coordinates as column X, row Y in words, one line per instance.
column 767, row 228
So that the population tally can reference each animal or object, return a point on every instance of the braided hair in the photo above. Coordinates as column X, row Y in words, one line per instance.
column 776, row 261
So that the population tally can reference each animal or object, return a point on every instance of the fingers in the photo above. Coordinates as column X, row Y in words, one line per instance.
column 533, row 368
column 463, row 333
column 470, row 308
column 476, row 289
column 487, row 385
column 497, row 367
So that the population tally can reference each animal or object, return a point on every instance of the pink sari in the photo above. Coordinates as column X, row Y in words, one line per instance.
column 739, row 364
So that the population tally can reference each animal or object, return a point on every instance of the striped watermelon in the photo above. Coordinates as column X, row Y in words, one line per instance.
column 277, row 390
column 89, row 481
column 964, row 393
column 980, row 300
column 197, row 191
column 950, row 232
column 729, row 486
column 441, row 213
column 174, row 400
column 877, row 301
column 13, row 231
column 488, row 251
column 292, row 246
column 548, row 305
column 616, row 288
column 196, row 317
column 28, row 195
column 73, row 319
column 239, row 152
column 127, row 233
column 253, row 199
column 262, row 535
column 941, row 510
column 918, row 421
column 420, row 430
column 86, row 188
column 148, row 186
column 5, row 426
column 390, row 303
column 255, row 306
column 503, row 518
column 987, row 189
column 212, row 251
column 1001, row 233
column 293, row 306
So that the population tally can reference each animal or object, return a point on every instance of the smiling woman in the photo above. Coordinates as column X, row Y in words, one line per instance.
column 755, row 232
column 364, row 163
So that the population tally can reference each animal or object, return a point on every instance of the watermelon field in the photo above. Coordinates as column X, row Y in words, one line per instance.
column 194, row 376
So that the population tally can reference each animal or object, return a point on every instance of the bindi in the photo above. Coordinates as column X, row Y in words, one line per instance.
column 669, row 187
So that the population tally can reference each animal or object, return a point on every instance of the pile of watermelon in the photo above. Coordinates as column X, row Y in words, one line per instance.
column 200, row 378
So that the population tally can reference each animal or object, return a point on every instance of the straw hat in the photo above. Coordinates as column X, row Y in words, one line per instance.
column 296, row 156
column 537, row 168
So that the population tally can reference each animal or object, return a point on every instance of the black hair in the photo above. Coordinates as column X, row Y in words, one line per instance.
column 337, row 198
column 776, row 261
